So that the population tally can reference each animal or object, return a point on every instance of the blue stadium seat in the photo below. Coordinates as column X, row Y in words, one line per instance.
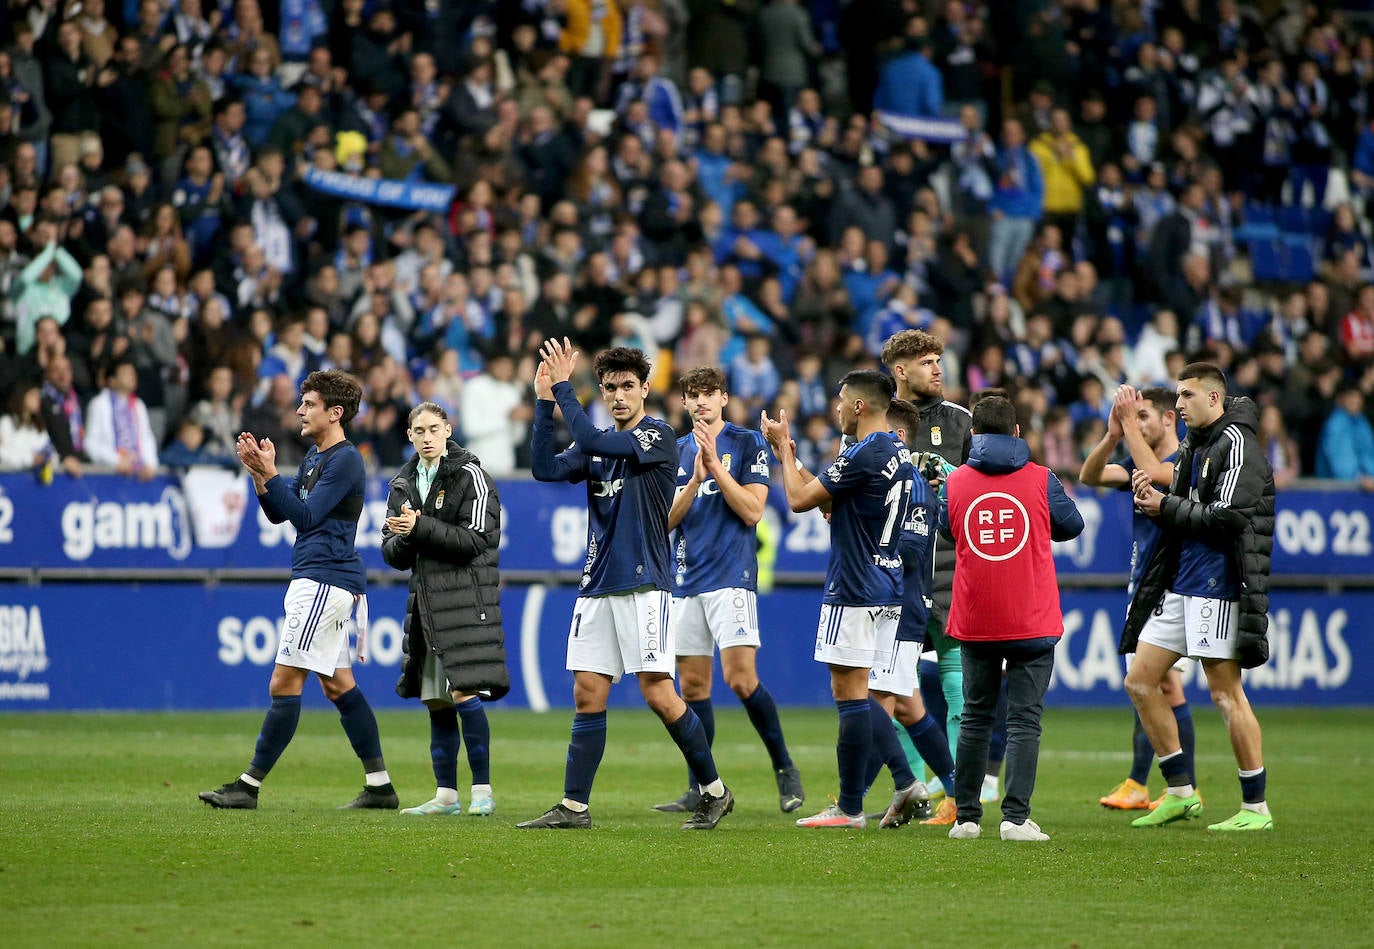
column 1265, row 260
column 1259, row 214
column 1292, row 219
column 1298, row 263
column 1319, row 221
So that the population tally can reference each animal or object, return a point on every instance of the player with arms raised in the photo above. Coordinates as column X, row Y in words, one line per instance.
column 620, row 620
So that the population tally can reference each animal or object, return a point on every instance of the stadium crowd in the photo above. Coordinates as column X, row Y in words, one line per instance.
column 1100, row 192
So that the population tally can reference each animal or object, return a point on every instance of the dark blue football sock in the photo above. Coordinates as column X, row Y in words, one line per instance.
column 360, row 725
column 1142, row 753
column 477, row 735
column 585, row 748
column 852, row 746
column 1175, row 769
column 706, row 714
column 873, row 768
column 444, row 742
column 1252, row 787
column 1187, row 736
column 278, row 725
column 930, row 742
column 889, row 748
column 763, row 713
column 690, row 736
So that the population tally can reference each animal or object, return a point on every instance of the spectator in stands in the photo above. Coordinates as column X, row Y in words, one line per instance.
column 68, row 88
column 909, row 86
column 495, row 414
column 1345, row 450
column 24, row 441
column 47, row 286
column 1017, row 202
column 1356, row 331
column 118, row 433
column 1067, row 171
column 188, row 447
column 1278, row 446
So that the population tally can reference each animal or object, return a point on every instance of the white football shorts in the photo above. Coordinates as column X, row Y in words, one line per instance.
column 1198, row 627
column 314, row 634
column 848, row 635
column 717, row 619
column 894, row 662
column 622, row 632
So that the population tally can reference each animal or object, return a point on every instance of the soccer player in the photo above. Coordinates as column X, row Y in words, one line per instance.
column 1146, row 421
column 722, row 488
column 1004, row 511
column 867, row 488
column 1205, row 591
column 942, row 442
column 621, row 619
column 443, row 524
column 323, row 503
column 893, row 683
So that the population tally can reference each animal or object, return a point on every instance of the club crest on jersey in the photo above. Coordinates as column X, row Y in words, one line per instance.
column 725, row 460
column 439, row 500
column 647, row 437
column 936, row 438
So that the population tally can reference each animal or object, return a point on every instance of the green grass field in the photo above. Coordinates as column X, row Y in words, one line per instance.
column 102, row 841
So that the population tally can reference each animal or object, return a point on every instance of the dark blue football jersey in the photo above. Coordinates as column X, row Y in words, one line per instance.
column 323, row 502
column 630, row 478
column 715, row 549
column 870, row 486
column 918, row 560
column 1204, row 570
column 1145, row 532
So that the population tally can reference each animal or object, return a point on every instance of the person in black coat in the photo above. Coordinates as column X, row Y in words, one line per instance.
column 444, row 525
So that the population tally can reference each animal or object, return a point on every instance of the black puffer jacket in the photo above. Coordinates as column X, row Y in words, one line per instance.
column 454, row 607
column 1234, row 511
column 945, row 430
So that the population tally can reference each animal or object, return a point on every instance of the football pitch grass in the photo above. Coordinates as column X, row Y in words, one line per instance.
column 102, row 841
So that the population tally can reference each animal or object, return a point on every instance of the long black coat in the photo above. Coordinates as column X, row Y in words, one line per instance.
column 1234, row 511
column 454, row 607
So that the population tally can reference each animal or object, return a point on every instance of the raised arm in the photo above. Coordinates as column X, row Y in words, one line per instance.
column 342, row 472
column 746, row 500
column 1096, row 472
column 801, row 495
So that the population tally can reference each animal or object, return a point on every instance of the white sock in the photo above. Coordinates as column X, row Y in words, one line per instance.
column 575, row 806
column 480, row 791
column 716, row 788
column 249, row 780
column 376, row 779
column 1261, row 808
column 446, row 795
column 1185, row 790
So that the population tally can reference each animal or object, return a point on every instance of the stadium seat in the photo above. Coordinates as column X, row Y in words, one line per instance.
column 1298, row 263
column 1292, row 219
column 1265, row 260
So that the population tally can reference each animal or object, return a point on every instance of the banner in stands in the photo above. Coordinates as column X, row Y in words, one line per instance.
column 179, row 646
column 210, row 519
column 408, row 195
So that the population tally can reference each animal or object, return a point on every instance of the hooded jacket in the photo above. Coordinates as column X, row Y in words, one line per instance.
column 1233, row 511
column 1004, row 511
column 454, row 607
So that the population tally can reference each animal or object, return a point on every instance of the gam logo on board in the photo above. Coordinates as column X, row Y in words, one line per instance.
column 88, row 526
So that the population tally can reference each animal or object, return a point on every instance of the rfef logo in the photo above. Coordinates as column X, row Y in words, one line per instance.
column 996, row 526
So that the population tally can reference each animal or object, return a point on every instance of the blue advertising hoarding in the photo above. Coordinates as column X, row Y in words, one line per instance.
column 191, row 646
column 210, row 520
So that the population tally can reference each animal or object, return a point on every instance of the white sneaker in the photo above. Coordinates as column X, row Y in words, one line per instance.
column 965, row 830
column 990, row 792
column 1030, row 830
column 434, row 808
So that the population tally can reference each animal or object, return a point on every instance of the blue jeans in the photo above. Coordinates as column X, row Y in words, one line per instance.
column 1029, row 665
column 1007, row 241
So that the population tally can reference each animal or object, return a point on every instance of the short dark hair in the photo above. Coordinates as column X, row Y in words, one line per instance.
column 994, row 415
column 871, row 386
column 336, row 387
column 424, row 407
column 1161, row 398
column 1208, row 372
column 702, row 379
column 904, row 415
column 982, row 394
column 622, row 359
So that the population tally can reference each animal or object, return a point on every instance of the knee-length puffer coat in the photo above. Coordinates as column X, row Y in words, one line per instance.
column 454, row 607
